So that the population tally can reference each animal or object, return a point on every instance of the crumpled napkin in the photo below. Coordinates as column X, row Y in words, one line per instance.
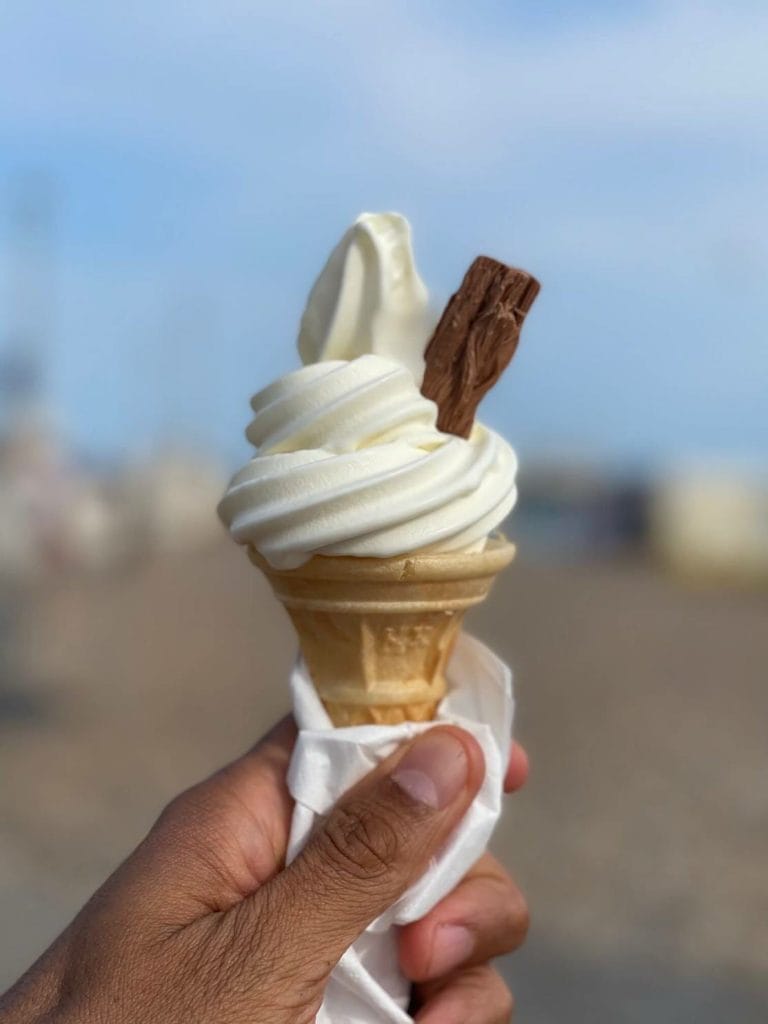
column 366, row 986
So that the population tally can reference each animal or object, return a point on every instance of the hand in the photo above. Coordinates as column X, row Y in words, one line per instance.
column 447, row 953
column 204, row 923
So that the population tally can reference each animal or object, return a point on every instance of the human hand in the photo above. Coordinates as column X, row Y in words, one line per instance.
column 204, row 923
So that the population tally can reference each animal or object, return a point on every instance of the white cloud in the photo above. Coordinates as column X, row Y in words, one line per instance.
column 260, row 96
column 695, row 69
column 203, row 75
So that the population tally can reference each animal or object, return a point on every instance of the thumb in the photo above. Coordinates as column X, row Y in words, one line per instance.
column 374, row 844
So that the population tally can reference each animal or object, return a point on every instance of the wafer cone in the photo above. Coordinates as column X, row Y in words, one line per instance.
column 376, row 634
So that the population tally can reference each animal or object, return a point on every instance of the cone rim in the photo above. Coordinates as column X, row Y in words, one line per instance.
column 437, row 566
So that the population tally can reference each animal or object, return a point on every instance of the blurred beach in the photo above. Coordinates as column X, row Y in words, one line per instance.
column 640, row 841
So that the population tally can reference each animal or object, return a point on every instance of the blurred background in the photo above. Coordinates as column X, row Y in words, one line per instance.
column 172, row 177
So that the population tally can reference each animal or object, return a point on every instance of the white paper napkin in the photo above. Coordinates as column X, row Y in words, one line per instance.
column 366, row 986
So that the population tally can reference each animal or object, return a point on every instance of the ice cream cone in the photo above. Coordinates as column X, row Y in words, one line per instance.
column 376, row 634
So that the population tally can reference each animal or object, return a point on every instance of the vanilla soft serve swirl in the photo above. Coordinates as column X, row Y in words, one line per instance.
column 349, row 460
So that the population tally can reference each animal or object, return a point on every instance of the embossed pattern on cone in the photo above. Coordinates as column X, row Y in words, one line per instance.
column 376, row 634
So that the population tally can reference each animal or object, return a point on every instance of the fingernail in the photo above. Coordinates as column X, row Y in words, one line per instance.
column 434, row 769
column 453, row 945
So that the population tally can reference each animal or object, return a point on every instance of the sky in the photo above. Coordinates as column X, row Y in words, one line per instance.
column 203, row 158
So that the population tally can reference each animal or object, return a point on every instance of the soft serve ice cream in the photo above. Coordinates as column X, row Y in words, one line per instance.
column 373, row 491
column 369, row 298
column 349, row 459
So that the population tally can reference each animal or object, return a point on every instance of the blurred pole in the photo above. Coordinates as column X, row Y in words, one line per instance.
column 185, row 371
column 26, row 320
column 26, row 333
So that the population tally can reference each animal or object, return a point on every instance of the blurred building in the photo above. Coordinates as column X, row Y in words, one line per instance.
column 572, row 509
column 58, row 514
column 169, row 501
column 711, row 524
column 34, row 491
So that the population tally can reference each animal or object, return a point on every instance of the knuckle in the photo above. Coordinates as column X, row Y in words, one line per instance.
column 174, row 811
column 501, row 998
column 206, row 808
column 523, row 916
column 184, row 807
column 517, row 918
column 493, row 1000
column 362, row 841
column 508, row 1005
column 508, row 1008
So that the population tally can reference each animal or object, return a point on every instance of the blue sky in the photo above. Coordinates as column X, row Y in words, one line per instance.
column 205, row 157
